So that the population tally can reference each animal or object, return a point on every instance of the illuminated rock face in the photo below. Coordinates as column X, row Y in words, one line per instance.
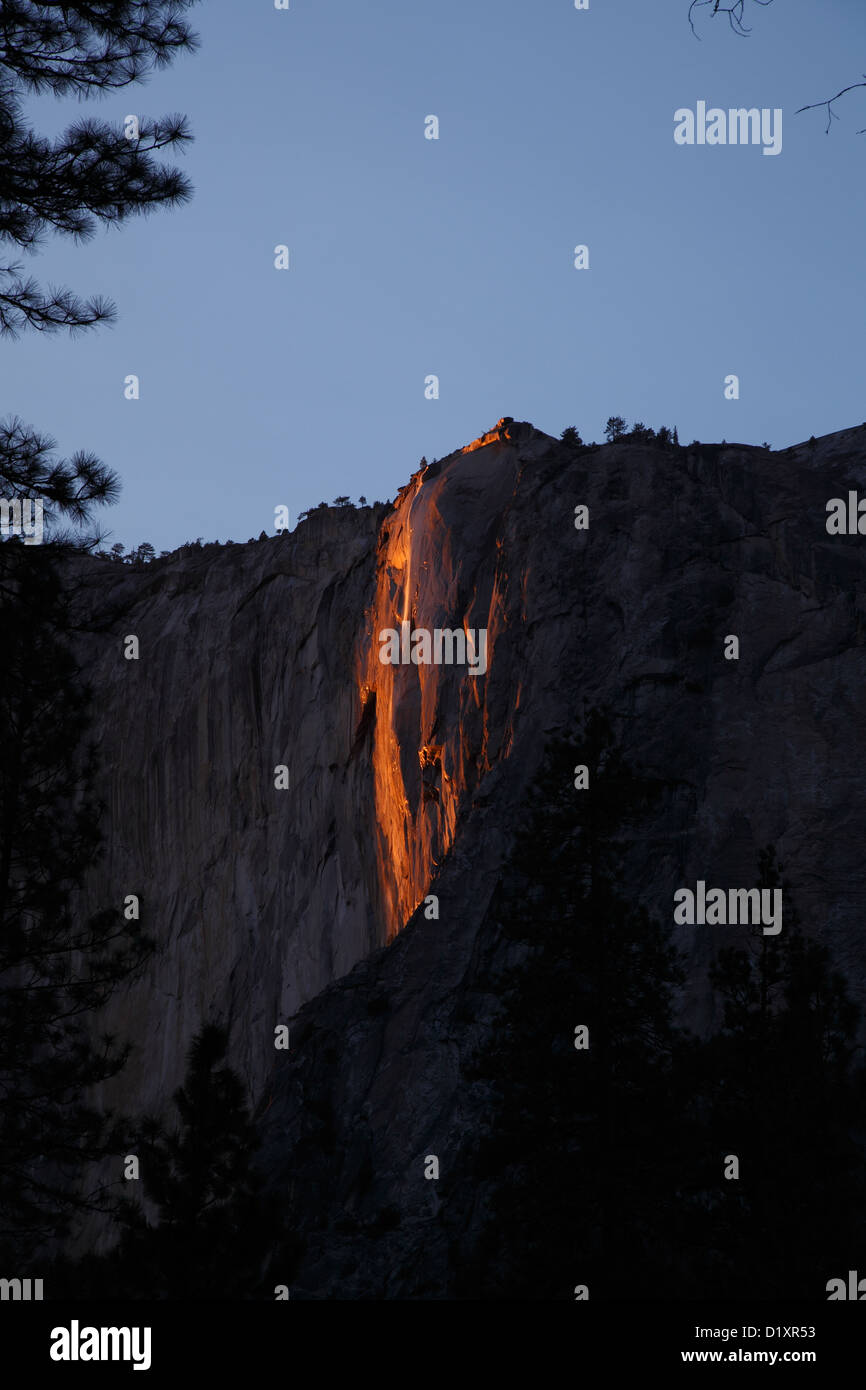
column 444, row 561
column 407, row 779
column 263, row 655
column 683, row 548
column 257, row 897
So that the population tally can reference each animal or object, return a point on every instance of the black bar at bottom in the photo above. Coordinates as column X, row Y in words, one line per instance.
column 223, row 1339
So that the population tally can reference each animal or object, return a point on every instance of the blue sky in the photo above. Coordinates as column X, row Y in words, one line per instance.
column 454, row 257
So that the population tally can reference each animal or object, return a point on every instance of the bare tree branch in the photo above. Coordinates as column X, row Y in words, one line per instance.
column 831, row 114
column 736, row 18
column 735, row 12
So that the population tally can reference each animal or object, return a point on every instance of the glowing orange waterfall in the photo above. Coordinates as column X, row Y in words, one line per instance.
column 430, row 746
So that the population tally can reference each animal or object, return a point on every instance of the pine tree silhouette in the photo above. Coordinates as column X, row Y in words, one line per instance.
column 579, row 1162
column 55, row 966
column 92, row 174
column 213, row 1231
column 782, row 1086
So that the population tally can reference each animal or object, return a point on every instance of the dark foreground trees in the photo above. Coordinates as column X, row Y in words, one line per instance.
column 55, row 966
column 603, row 1158
column 204, row 1229
column 781, row 1087
column 584, row 1139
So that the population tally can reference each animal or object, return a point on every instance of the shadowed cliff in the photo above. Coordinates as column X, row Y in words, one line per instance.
column 406, row 780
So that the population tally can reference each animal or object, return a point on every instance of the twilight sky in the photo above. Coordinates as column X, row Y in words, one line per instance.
column 455, row 256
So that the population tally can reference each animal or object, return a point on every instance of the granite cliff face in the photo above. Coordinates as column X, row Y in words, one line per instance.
column 258, row 896
column 406, row 780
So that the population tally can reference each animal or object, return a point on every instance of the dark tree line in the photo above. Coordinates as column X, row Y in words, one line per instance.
column 603, row 1164
column 55, row 968
column 581, row 1142
column 195, row 1223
